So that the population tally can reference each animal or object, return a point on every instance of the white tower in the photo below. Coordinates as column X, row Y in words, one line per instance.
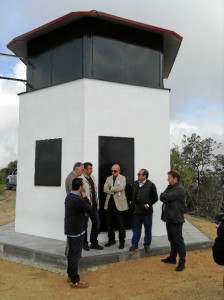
column 94, row 93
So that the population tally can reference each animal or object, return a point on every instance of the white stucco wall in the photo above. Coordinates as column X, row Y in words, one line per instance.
column 79, row 112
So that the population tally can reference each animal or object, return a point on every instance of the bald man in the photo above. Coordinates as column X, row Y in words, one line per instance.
column 115, row 204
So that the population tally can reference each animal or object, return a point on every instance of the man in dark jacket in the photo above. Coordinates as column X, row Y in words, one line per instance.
column 144, row 195
column 173, row 214
column 77, row 206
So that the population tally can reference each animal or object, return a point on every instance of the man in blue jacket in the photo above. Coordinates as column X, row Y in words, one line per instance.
column 77, row 206
column 173, row 214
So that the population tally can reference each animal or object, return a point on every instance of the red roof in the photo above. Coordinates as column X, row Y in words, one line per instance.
column 171, row 39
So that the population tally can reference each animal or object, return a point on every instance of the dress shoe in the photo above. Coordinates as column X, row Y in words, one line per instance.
column 110, row 243
column 180, row 267
column 146, row 248
column 86, row 247
column 121, row 246
column 133, row 248
column 80, row 285
column 169, row 260
column 96, row 246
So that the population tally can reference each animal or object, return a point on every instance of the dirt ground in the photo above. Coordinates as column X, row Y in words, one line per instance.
column 145, row 278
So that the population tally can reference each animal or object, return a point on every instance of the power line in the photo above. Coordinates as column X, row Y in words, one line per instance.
column 14, row 56
column 11, row 78
column 15, row 79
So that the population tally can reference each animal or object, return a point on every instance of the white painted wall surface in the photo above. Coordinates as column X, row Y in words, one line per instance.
column 79, row 112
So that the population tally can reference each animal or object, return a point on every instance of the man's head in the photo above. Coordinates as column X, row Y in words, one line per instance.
column 78, row 168
column 173, row 177
column 77, row 184
column 143, row 174
column 88, row 168
column 115, row 170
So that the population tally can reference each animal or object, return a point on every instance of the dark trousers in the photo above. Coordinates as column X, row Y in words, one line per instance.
column 174, row 233
column 137, row 222
column 95, row 227
column 113, row 215
column 74, row 254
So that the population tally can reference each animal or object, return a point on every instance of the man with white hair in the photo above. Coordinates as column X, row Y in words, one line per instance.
column 77, row 171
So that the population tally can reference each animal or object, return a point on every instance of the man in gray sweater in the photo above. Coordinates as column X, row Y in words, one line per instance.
column 76, row 172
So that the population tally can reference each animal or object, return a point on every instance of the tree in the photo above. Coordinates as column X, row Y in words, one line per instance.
column 6, row 171
column 198, row 153
column 187, row 175
column 12, row 165
column 219, row 171
column 202, row 174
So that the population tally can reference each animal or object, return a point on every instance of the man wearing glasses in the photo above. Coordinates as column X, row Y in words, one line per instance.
column 144, row 195
column 115, row 204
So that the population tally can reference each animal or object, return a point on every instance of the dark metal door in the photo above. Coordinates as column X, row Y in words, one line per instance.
column 119, row 150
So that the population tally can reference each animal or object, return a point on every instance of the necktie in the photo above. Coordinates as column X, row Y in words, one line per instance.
column 92, row 190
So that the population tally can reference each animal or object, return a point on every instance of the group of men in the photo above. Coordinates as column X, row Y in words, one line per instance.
column 89, row 190
column 82, row 203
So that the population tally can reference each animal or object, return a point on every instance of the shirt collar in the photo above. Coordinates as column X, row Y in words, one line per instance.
column 141, row 183
column 75, row 193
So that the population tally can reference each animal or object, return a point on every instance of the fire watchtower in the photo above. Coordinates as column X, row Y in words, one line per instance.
column 95, row 93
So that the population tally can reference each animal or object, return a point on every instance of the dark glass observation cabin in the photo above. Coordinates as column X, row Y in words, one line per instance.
column 99, row 46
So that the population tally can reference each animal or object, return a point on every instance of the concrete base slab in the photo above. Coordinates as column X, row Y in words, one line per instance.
column 50, row 252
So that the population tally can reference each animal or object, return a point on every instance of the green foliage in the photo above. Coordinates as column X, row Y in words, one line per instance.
column 3, row 175
column 6, row 171
column 178, row 163
column 198, row 153
column 202, row 174
column 12, row 165
column 2, row 188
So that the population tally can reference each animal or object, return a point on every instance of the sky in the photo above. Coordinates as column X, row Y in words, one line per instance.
column 196, row 79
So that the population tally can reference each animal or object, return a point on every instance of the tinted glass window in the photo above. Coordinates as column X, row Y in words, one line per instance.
column 109, row 59
column 143, row 66
column 117, row 61
column 67, row 61
column 56, row 57
column 39, row 70
column 92, row 48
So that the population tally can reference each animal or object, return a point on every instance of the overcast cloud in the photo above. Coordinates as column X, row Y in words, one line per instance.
column 196, row 80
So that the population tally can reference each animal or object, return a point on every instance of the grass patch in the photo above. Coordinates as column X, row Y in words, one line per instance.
column 7, row 206
column 2, row 188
